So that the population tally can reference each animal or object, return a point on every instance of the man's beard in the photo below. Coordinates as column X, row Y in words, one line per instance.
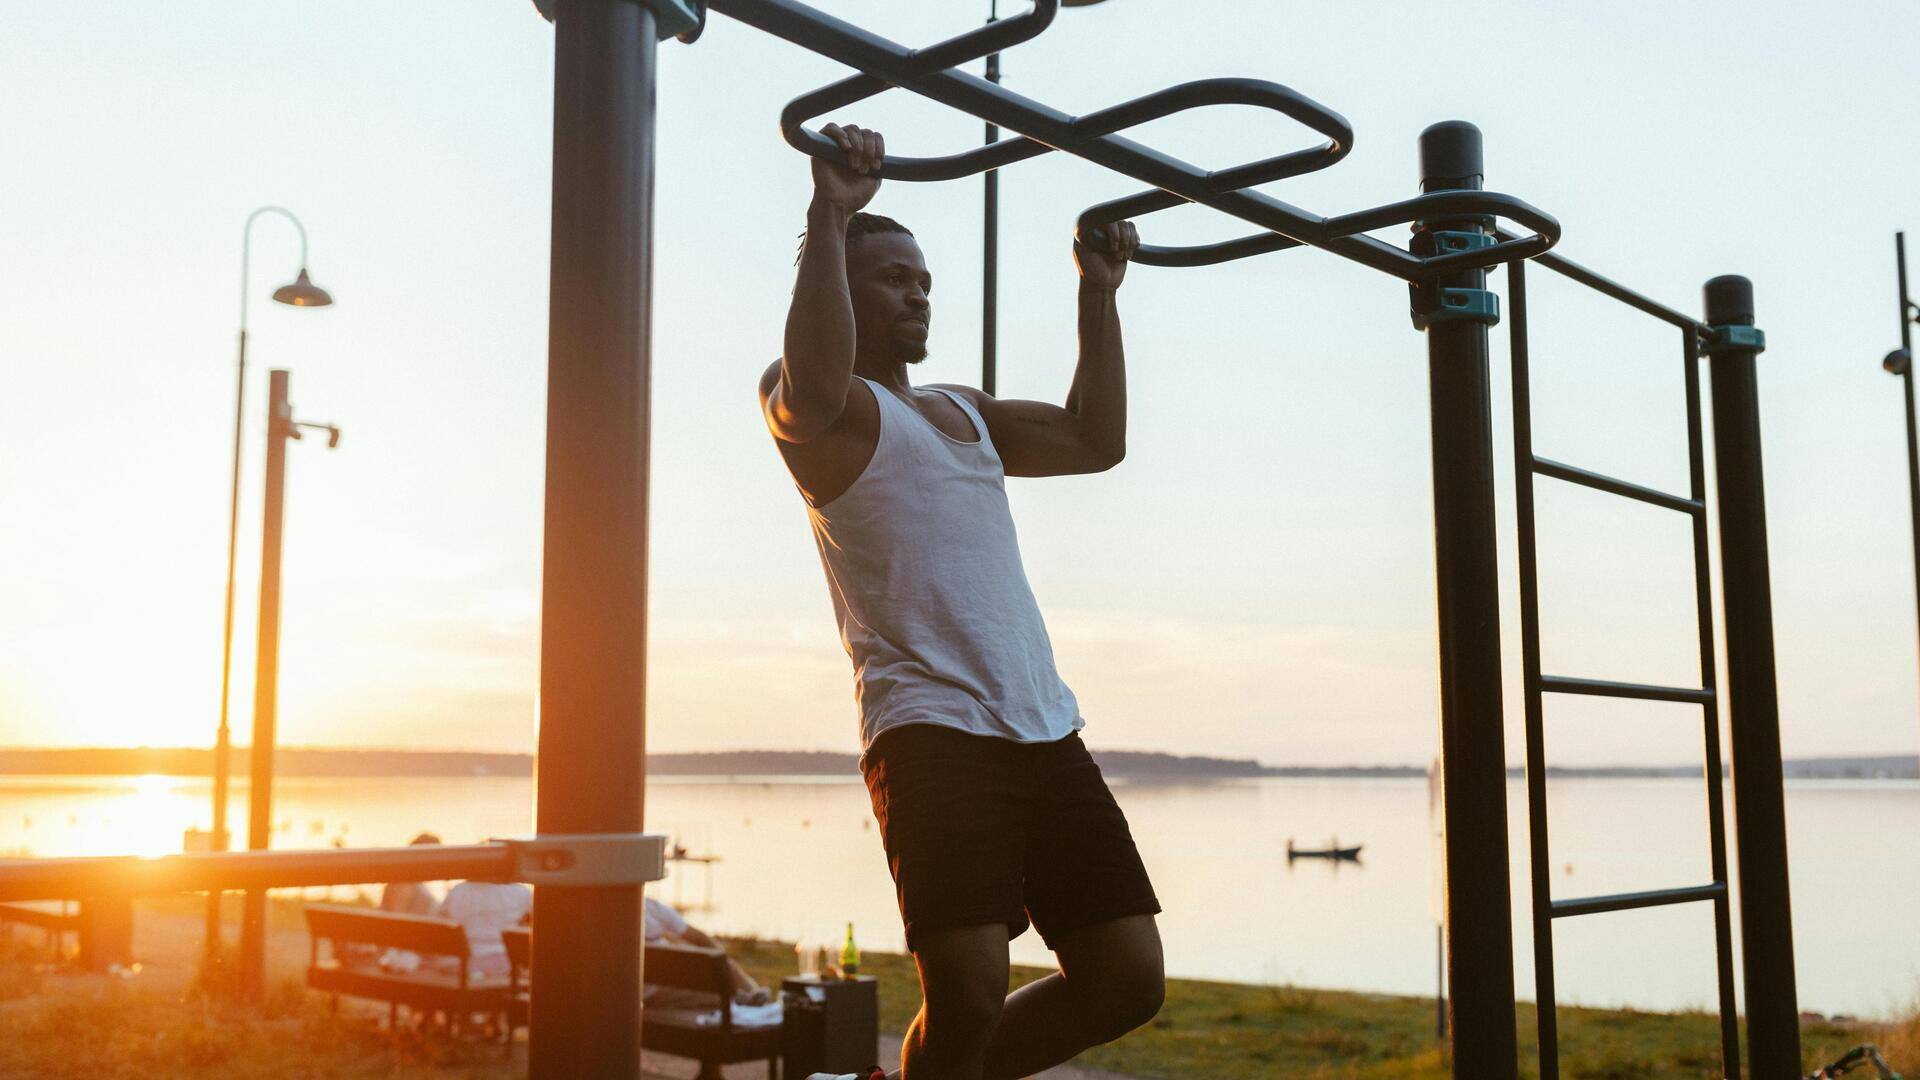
column 909, row 352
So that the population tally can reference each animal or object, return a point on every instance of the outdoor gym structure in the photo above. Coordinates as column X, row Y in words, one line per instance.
column 590, row 857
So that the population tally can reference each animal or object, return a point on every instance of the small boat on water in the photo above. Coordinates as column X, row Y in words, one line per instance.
column 1333, row 850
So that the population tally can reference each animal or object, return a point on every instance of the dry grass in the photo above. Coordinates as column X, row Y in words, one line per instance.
column 61, row 1024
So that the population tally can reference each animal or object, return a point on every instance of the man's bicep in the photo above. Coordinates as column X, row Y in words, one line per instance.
column 1037, row 438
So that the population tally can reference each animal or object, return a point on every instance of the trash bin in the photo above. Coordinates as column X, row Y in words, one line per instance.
column 829, row 1025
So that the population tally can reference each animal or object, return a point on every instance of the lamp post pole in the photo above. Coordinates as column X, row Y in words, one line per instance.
column 281, row 427
column 1904, row 366
column 302, row 293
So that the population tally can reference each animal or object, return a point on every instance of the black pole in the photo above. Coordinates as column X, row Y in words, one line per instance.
column 1913, row 436
column 1440, row 981
column 266, row 683
column 1759, row 797
column 990, row 248
column 1473, row 746
column 592, row 741
column 222, row 742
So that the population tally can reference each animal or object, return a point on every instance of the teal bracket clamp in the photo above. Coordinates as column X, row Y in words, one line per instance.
column 1437, row 305
column 1733, row 337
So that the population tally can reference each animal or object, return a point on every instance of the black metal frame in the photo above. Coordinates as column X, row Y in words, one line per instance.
column 1528, row 465
column 929, row 72
column 591, row 763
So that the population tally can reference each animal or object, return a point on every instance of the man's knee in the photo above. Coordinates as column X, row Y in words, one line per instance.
column 1117, row 971
column 961, row 1019
column 1129, row 998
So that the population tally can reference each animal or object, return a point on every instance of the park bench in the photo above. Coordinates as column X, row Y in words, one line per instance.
column 102, row 925
column 58, row 923
column 431, row 988
column 710, row 1034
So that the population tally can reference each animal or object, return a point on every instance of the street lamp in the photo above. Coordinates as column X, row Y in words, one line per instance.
column 1900, row 362
column 281, row 428
column 301, row 292
column 990, row 286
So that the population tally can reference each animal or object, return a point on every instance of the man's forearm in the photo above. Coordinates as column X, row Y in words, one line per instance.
column 819, row 341
column 1099, row 394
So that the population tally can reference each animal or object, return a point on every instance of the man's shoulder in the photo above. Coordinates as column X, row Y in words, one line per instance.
column 972, row 393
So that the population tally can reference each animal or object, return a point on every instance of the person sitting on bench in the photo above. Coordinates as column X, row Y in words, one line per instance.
column 664, row 925
column 483, row 909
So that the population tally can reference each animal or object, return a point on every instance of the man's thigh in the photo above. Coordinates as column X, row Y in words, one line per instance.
column 1126, row 949
column 954, row 820
column 1082, row 868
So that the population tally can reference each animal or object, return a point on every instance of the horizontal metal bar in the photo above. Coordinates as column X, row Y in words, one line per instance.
column 895, row 64
column 119, row 875
column 1572, row 475
column 583, row 860
column 1566, row 267
column 1560, row 684
column 1594, row 905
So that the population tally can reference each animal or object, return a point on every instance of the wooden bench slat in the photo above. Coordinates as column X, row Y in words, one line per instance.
column 415, row 933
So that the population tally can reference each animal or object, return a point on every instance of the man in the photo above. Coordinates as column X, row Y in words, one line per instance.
column 991, row 811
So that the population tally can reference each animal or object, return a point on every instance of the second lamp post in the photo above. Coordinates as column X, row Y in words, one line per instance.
column 1900, row 362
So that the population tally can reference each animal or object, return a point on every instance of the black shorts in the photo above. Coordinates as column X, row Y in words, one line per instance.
column 983, row 830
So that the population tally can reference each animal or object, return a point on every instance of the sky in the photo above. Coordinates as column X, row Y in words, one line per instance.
column 1255, row 580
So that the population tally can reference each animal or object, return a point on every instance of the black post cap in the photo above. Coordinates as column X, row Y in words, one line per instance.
column 1729, row 300
column 1450, row 156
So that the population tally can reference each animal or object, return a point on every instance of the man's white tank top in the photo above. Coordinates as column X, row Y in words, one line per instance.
column 932, row 600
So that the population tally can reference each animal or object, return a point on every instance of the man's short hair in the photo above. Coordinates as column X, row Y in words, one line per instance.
column 861, row 224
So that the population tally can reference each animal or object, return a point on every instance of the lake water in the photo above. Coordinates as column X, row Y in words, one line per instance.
column 800, row 857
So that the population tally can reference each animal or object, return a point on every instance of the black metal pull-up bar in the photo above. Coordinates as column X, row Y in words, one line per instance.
column 931, row 73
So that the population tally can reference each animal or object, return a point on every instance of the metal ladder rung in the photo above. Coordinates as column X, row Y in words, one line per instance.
column 1561, row 684
column 1593, row 905
column 1560, row 471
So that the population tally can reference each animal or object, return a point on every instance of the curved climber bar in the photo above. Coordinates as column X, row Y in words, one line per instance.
column 1094, row 137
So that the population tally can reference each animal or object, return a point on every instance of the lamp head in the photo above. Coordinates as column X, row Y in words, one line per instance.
column 302, row 293
column 1897, row 362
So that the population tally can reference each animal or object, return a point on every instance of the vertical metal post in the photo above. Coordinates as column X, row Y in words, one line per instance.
column 1759, row 800
column 1913, row 435
column 266, row 683
column 222, row 743
column 1473, row 747
column 592, row 714
column 990, row 248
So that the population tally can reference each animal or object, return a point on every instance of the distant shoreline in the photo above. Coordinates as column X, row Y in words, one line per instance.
column 1121, row 764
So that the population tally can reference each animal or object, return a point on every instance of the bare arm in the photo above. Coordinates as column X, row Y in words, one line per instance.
column 1090, row 433
column 816, row 366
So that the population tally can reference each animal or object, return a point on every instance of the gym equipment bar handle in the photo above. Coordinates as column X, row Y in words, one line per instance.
column 1561, row 684
column 1594, row 480
column 1594, row 905
column 1092, row 138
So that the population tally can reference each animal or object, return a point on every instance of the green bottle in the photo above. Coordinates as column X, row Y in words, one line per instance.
column 849, row 956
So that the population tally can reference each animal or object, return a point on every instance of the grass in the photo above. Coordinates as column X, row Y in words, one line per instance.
column 1231, row 1031
column 61, row 1024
